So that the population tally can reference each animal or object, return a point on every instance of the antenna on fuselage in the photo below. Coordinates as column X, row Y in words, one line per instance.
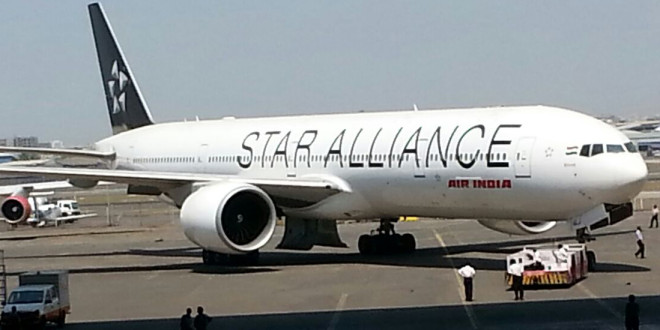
column 415, row 107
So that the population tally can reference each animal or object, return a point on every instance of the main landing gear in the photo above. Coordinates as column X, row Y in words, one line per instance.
column 384, row 240
column 221, row 259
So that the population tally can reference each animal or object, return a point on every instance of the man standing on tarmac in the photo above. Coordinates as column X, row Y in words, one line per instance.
column 632, row 314
column 201, row 320
column 187, row 320
column 654, row 216
column 640, row 242
column 467, row 272
column 516, row 270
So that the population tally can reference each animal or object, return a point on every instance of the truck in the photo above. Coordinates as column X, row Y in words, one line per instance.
column 550, row 266
column 68, row 207
column 40, row 298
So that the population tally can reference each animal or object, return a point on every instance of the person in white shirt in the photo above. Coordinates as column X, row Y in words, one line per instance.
column 654, row 216
column 516, row 270
column 640, row 242
column 561, row 254
column 467, row 273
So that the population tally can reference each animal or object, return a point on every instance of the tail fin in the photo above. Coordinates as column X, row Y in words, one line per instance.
column 125, row 103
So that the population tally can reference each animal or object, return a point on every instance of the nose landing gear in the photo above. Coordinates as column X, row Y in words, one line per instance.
column 384, row 240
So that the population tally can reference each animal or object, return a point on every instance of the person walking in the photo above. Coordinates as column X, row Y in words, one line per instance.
column 516, row 270
column 640, row 242
column 654, row 216
column 632, row 314
column 201, row 320
column 187, row 320
column 467, row 272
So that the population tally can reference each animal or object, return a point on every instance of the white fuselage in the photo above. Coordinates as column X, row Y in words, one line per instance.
column 518, row 163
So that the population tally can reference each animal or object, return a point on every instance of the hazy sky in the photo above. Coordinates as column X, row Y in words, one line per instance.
column 264, row 58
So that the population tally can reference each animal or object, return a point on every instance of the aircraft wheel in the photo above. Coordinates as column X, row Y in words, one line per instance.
column 248, row 259
column 366, row 244
column 591, row 261
column 207, row 257
column 408, row 243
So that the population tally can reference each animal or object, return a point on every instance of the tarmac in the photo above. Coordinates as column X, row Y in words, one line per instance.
column 143, row 276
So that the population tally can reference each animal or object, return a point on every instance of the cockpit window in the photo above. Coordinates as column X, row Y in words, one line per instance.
column 614, row 148
column 630, row 147
column 585, row 150
column 596, row 149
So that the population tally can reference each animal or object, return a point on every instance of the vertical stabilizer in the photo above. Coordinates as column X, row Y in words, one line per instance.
column 126, row 106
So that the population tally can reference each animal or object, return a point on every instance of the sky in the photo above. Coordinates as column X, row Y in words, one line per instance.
column 212, row 59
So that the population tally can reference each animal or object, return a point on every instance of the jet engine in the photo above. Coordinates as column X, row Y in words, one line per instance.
column 517, row 227
column 229, row 217
column 15, row 209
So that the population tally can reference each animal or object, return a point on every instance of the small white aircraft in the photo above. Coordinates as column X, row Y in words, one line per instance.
column 517, row 170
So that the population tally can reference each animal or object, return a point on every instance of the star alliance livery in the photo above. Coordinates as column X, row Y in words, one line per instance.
column 517, row 170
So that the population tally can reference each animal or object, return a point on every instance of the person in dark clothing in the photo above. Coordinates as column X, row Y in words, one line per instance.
column 654, row 216
column 632, row 314
column 187, row 320
column 13, row 321
column 201, row 320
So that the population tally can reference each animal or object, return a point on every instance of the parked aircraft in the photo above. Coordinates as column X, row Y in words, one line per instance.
column 517, row 170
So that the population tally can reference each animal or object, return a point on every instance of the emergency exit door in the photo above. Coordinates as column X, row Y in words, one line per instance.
column 523, row 158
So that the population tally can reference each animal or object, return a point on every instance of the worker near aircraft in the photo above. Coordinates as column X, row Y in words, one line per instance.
column 467, row 273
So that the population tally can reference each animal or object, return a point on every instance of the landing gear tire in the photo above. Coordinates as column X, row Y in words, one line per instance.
column 248, row 259
column 221, row 259
column 365, row 244
column 408, row 243
column 591, row 261
column 386, row 244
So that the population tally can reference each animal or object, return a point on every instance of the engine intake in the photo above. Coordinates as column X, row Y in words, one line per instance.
column 15, row 209
column 517, row 227
column 230, row 217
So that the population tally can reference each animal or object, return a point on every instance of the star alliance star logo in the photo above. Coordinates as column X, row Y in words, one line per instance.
column 116, row 86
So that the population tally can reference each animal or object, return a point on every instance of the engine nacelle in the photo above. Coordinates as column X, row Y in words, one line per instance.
column 229, row 217
column 517, row 227
column 15, row 209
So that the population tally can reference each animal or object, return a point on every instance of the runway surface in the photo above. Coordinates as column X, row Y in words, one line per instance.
column 143, row 277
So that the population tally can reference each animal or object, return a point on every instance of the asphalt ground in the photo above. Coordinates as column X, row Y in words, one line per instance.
column 143, row 277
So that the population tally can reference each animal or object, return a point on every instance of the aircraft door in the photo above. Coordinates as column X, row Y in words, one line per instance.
column 523, row 157
column 418, row 164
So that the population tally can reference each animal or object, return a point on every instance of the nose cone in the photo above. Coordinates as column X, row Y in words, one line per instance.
column 632, row 177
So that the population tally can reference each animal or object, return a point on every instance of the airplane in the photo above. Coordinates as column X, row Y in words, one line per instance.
column 515, row 169
column 40, row 210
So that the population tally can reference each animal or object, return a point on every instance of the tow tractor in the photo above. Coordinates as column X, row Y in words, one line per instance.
column 549, row 266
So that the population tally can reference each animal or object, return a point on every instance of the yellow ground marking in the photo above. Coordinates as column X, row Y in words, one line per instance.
column 468, row 308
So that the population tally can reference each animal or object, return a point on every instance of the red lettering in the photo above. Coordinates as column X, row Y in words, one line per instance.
column 465, row 184
column 452, row 184
column 506, row 183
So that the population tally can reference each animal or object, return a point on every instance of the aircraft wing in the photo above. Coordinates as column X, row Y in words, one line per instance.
column 288, row 191
column 37, row 186
column 110, row 155
column 75, row 217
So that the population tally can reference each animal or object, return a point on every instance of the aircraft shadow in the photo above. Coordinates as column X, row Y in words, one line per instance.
column 434, row 257
column 558, row 314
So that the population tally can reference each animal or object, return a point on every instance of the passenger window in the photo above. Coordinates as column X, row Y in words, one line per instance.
column 614, row 148
column 630, row 147
column 585, row 150
column 596, row 149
